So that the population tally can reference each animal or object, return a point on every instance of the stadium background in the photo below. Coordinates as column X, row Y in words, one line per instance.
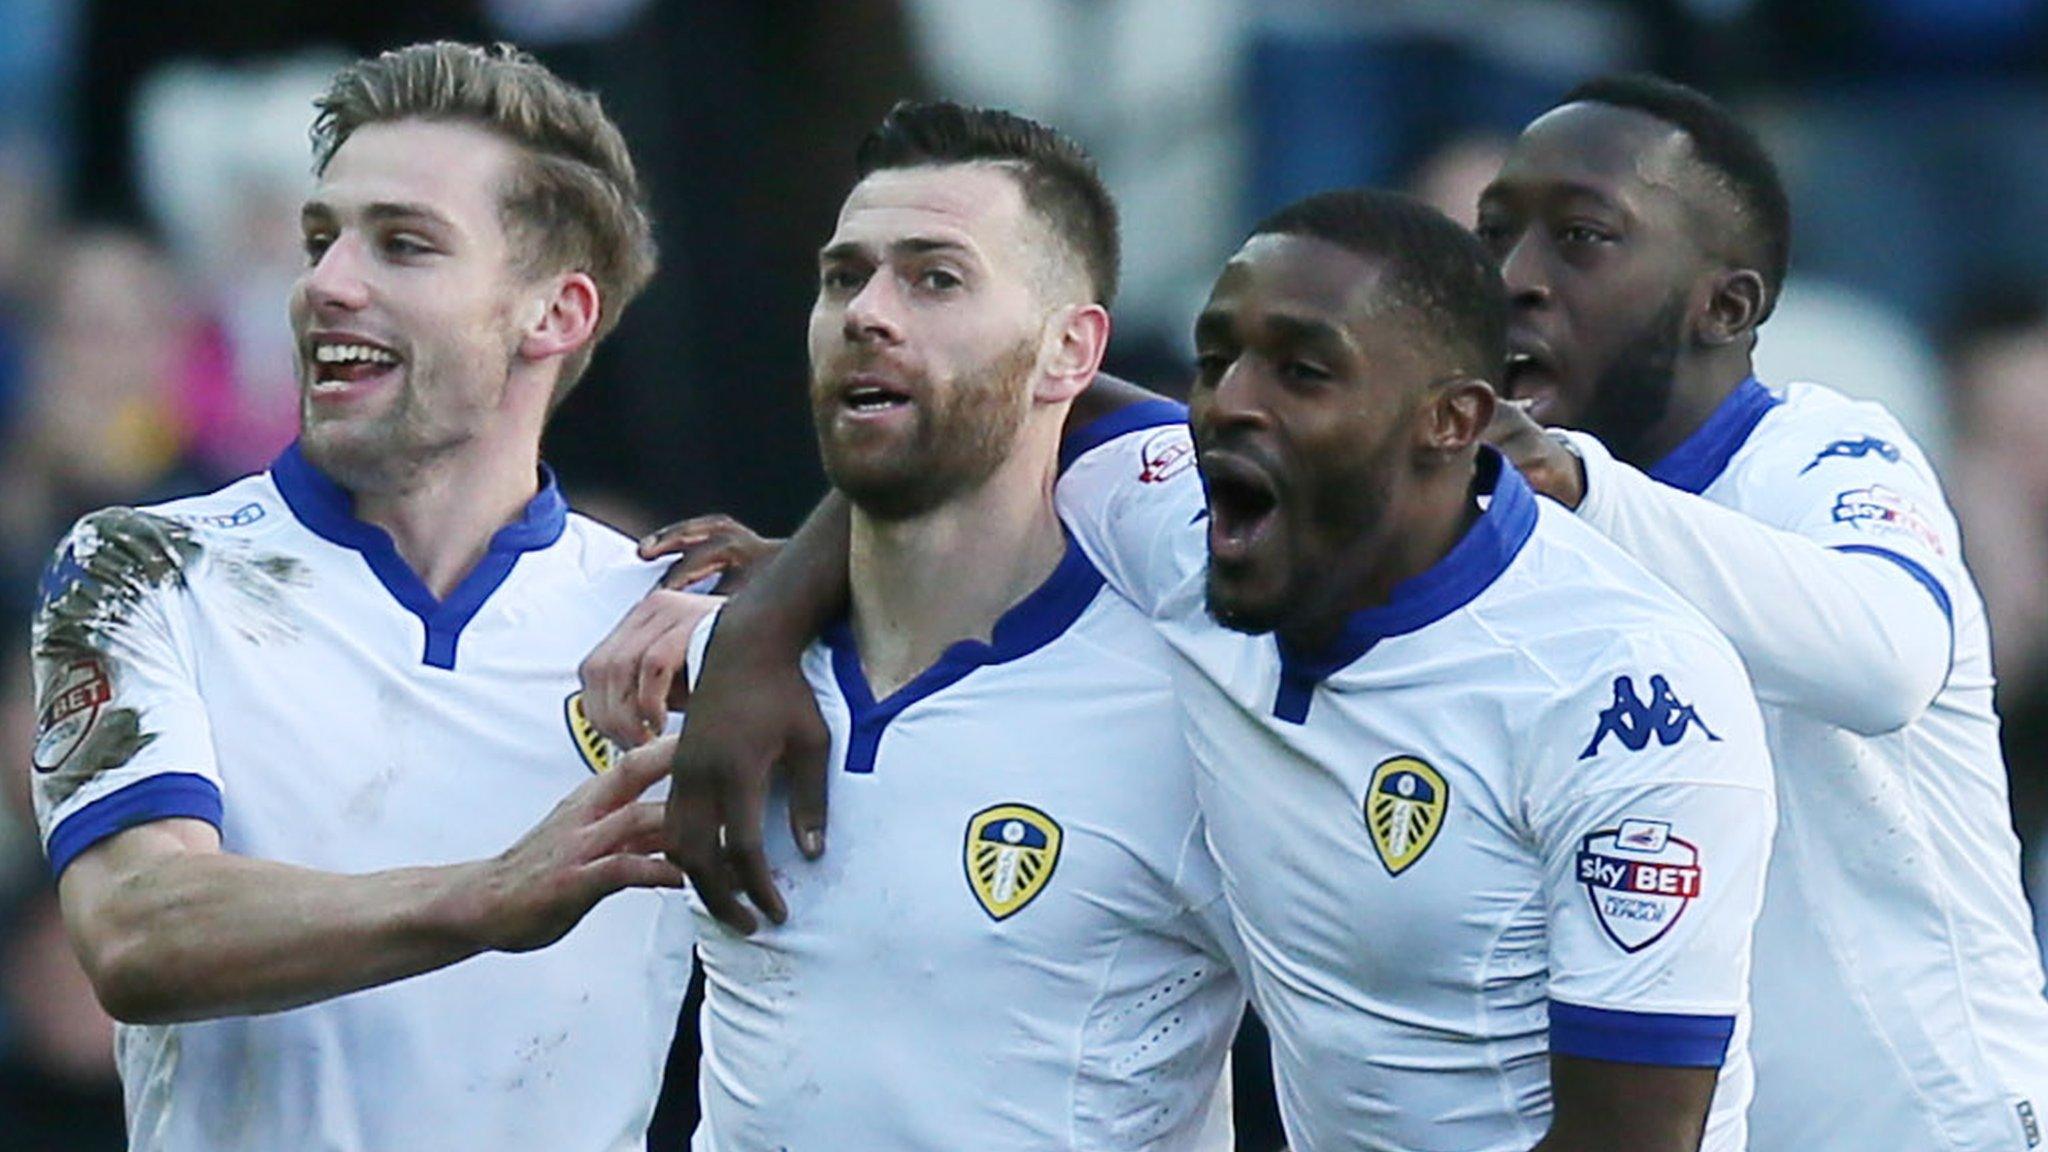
column 152, row 157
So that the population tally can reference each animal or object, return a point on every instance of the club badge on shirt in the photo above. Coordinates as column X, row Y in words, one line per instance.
column 1405, row 802
column 1640, row 878
column 1010, row 853
column 598, row 750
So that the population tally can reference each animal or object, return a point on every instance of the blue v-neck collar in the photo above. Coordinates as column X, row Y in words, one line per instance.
column 1030, row 624
column 328, row 511
column 1469, row 568
column 1701, row 457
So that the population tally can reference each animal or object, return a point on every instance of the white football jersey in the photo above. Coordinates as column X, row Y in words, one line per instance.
column 1522, row 809
column 1016, row 939
column 259, row 659
column 1898, row 990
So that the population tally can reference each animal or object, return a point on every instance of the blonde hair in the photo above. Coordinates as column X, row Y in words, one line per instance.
column 574, row 204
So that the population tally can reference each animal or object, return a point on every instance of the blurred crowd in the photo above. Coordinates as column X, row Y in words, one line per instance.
column 152, row 157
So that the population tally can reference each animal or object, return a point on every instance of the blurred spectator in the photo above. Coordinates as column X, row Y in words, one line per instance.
column 222, row 162
column 1151, row 89
column 1346, row 93
column 1451, row 177
column 1998, row 359
column 98, row 423
column 26, row 208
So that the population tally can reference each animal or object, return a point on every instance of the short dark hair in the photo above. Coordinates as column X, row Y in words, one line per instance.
column 1057, row 176
column 1435, row 268
column 1724, row 145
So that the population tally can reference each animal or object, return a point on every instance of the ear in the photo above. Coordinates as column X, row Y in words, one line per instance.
column 1070, row 352
column 562, row 322
column 1456, row 414
column 1736, row 302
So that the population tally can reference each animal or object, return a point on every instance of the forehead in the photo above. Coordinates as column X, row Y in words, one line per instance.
column 977, row 205
column 456, row 169
column 1618, row 154
column 1303, row 277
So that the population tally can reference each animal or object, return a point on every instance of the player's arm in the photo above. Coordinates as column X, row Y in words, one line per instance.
column 169, row 927
column 1599, row 1106
column 1649, row 794
column 1855, row 632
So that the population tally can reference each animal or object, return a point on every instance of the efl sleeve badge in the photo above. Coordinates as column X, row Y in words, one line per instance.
column 1010, row 853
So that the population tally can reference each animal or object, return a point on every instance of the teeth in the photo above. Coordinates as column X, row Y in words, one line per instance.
column 352, row 354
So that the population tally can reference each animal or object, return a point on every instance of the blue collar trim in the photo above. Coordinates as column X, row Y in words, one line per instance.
column 1469, row 568
column 1703, row 456
column 328, row 511
column 1030, row 624
column 1103, row 429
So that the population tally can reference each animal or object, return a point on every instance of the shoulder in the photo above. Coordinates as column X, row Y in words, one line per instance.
column 1573, row 600
column 1814, row 428
column 607, row 560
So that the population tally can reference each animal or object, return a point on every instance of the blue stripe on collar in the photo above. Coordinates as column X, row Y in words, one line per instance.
column 1700, row 459
column 1474, row 563
column 1030, row 624
column 1103, row 429
column 328, row 511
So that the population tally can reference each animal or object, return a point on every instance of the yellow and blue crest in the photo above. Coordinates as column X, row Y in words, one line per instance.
column 1404, row 808
column 1010, row 853
column 598, row 749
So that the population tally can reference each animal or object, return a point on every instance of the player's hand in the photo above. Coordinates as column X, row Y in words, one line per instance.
column 706, row 546
column 1549, row 466
column 634, row 677
column 749, row 716
column 600, row 839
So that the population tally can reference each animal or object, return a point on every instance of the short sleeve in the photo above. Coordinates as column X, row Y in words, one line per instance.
column 1653, row 813
column 1129, row 492
column 122, row 734
column 1860, row 486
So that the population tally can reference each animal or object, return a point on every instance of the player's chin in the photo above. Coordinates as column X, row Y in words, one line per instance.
column 1243, row 599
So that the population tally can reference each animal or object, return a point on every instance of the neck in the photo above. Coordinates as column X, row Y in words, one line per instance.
column 1419, row 528
column 1698, row 387
column 442, row 518
column 921, row 584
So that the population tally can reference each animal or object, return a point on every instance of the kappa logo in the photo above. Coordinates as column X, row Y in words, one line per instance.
column 1878, row 508
column 1640, row 879
column 599, row 751
column 1855, row 450
column 1634, row 721
column 1010, row 853
column 77, row 694
column 1166, row 453
column 1405, row 802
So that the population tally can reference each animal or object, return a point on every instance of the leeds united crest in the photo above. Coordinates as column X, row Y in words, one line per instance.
column 1010, row 852
column 598, row 749
column 1404, row 807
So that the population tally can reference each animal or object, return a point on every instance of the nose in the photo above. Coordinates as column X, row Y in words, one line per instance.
column 335, row 282
column 871, row 316
column 1237, row 399
column 1523, row 272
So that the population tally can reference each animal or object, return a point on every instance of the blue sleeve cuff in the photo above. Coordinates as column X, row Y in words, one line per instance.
column 1662, row 1038
column 1103, row 429
column 164, row 797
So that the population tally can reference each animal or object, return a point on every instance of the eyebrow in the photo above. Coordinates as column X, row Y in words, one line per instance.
column 1219, row 325
column 908, row 246
column 380, row 211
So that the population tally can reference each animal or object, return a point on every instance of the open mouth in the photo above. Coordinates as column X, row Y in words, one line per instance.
column 339, row 362
column 867, row 396
column 1243, row 504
